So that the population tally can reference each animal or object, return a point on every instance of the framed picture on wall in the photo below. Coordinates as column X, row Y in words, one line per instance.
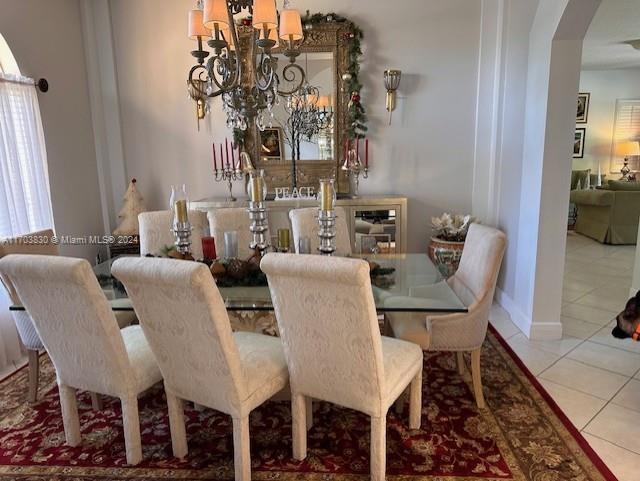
column 578, row 143
column 583, row 107
column 272, row 144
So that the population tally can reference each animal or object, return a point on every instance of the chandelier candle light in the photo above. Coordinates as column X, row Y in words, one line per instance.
column 230, row 168
column 212, row 21
column 327, row 217
column 352, row 163
column 257, row 190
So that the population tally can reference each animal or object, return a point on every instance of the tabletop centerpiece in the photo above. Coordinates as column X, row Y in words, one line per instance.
column 445, row 247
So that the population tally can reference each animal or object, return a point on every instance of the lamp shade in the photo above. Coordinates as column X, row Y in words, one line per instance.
column 290, row 25
column 392, row 79
column 625, row 149
column 196, row 25
column 324, row 102
column 215, row 12
column 265, row 14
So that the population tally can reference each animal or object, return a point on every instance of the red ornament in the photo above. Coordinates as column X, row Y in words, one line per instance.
column 355, row 97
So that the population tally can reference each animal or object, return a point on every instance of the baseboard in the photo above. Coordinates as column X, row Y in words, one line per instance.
column 541, row 331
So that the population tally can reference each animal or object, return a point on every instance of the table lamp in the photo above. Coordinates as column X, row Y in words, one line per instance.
column 627, row 149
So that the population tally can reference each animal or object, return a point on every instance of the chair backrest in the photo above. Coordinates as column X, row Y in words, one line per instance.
column 155, row 231
column 186, row 324
column 304, row 223
column 476, row 277
column 231, row 219
column 327, row 320
column 73, row 318
column 38, row 242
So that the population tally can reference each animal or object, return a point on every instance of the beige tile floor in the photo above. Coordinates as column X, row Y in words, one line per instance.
column 594, row 378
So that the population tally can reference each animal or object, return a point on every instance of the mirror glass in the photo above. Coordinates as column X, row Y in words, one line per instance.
column 375, row 231
column 302, row 127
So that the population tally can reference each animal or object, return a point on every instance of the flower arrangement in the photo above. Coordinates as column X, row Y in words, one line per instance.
column 451, row 228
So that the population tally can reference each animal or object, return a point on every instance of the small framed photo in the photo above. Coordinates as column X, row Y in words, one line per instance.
column 578, row 143
column 583, row 107
column 272, row 144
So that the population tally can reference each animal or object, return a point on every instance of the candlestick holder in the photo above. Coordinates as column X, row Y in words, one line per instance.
column 182, row 234
column 354, row 168
column 229, row 174
column 259, row 226
column 327, row 232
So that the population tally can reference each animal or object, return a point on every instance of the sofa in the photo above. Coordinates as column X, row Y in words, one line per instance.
column 609, row 214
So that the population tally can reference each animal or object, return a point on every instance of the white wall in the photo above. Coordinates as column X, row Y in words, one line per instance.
column 46, row 39
column 605, row 86
column 427, row 154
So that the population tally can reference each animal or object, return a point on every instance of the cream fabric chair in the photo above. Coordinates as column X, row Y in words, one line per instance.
column 304, row 223
column 155, row 231
column 81, row 335
column 38, row 242
column 186, row 322
column 332, row 343
column 227, row 220
column 474, row 283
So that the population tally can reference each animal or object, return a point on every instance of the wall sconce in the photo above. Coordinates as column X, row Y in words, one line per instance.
column 196, row 89
column 391, row 83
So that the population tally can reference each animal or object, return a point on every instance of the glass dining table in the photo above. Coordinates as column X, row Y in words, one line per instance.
column 408, row 283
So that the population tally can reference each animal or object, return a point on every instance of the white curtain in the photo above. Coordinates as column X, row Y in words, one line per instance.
column 25, row 200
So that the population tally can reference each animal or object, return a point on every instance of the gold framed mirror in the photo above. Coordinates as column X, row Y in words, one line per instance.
column 280, row 149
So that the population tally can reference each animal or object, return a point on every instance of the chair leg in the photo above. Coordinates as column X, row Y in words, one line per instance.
column 70, row 418
column 378, row 448
column 415, row 403
column 399, row 404
column 131, row 424
column 477, row 379
column 96, row 401
column 309, row 412
column 460, row 362
column 34, row 373
column 176, row 425
column 241, row 449
column 299, row 425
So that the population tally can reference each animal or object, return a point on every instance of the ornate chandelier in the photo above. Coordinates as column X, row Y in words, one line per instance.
column 245, row 98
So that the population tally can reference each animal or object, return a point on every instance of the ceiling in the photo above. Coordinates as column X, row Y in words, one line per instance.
column 616, row 22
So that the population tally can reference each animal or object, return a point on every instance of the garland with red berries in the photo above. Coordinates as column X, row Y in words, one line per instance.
column 356, row 116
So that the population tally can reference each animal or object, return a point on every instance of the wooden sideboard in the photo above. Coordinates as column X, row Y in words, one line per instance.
column 381, row 217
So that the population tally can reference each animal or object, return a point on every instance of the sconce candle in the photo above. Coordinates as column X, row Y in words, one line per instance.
column 181, row 210
column 326, row 194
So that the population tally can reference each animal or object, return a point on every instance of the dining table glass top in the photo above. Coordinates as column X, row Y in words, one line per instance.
column 409, row 283
column 415, row 285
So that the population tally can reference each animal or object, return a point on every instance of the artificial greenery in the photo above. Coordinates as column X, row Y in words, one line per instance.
column 356, row 115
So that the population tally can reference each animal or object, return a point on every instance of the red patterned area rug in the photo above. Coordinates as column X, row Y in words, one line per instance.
column 522, row 436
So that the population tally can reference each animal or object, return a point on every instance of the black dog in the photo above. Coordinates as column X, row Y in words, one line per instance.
column 628, row 321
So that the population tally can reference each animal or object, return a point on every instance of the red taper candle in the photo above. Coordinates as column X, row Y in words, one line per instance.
column 221, row 157
column 215, row 161
column 226, row 149
column 366, row 153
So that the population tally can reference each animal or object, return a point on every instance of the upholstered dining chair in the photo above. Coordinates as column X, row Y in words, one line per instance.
column 474, row 283
column 81, row 335
column 185, row 320
column 155, row 231
column 227, row 220
column 38, row 242
column 334, row 350
column 304, row 223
